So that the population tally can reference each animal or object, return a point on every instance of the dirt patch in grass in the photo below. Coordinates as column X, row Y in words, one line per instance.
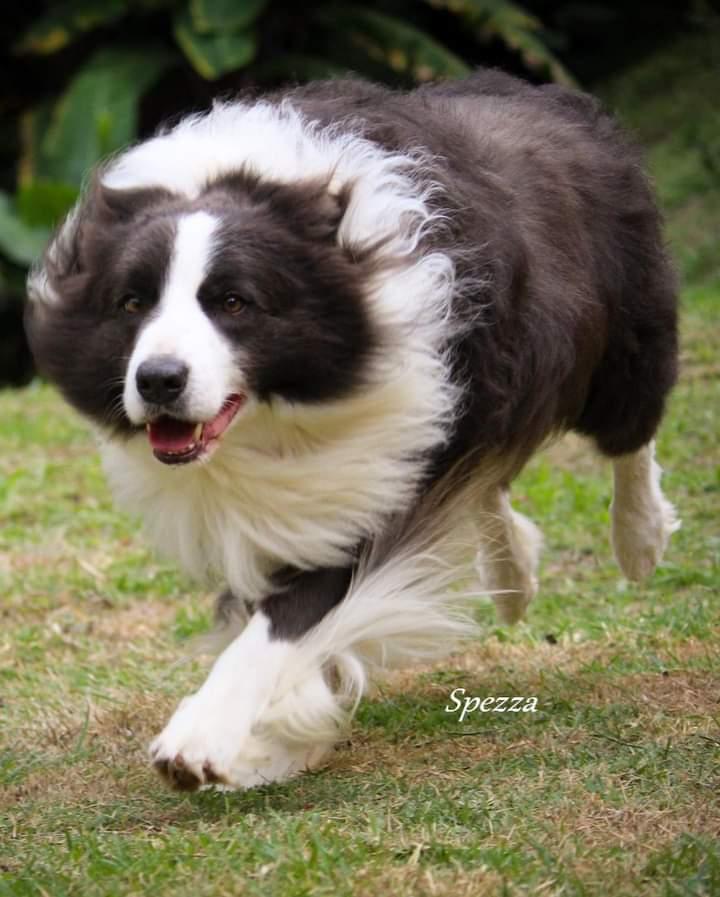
column 671, row 703
column 412, row 878
column 639, row 827
column 691, row 694
column 89, row 753
column 567, row 655
column 417, row 758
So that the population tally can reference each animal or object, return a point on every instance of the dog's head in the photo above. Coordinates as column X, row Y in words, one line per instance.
column 155, row 311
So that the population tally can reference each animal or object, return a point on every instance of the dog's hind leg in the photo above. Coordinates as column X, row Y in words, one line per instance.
column 508, row 557
column 642, row 518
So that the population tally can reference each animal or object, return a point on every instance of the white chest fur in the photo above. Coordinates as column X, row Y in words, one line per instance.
column 287, row 485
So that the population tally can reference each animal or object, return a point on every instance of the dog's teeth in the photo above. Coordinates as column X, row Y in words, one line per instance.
column 198, row 432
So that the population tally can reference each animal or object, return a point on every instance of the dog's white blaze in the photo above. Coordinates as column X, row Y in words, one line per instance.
column 180, row 328
column 388, row 200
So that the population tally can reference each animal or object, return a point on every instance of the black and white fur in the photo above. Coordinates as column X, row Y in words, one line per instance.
column 410, row 292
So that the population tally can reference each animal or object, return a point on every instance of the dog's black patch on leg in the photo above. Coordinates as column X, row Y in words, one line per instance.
column 303, row 598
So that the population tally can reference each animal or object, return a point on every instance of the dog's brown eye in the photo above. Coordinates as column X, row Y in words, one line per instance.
column 234, row 304
column 131, row 304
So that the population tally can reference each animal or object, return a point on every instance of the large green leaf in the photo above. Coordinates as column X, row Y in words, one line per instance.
column 219, row 15
column 514, row 26
column 61, row 25
column 20, row 243
column 44, row 203
column 95, row 116
column 404, row 48
column 217, row 53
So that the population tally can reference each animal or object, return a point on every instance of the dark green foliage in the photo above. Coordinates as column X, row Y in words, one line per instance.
column 109, row 55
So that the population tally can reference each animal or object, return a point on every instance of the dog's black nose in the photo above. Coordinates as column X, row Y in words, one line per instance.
column 161, row 380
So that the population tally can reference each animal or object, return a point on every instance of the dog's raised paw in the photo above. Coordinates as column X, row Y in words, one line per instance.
column 640, row 536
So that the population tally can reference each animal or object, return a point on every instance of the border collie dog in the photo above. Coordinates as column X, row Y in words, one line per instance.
column 319, row 333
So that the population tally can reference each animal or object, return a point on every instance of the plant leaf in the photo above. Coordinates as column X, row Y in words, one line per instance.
column 20, row 243
column 404, row 48
column 215, row 54
column 219, row 15
column 96, row 115
column 67, row 21
column 514, row 26
column 44, row 203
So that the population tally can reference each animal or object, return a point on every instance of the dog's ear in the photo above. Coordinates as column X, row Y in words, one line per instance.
column 312, row 208
column 100, row 210
column 60, row 261
column 104, row 209
column 329, row 202
column 122, row 206
column 317, row 207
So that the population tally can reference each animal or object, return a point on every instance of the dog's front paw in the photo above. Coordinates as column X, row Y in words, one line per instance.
column 208, row 745
column 197, row 745
column 183, row 778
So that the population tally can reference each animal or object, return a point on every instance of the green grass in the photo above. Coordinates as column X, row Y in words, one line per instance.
column 611, row 788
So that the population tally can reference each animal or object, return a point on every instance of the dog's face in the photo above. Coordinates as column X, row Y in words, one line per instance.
column 157, row 312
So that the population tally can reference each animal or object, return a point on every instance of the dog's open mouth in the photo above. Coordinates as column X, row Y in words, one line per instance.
column 176, row 441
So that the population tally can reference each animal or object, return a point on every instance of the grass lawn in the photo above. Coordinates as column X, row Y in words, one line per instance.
column 611, row 788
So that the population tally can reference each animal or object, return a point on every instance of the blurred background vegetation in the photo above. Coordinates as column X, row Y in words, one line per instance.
column 82, row 78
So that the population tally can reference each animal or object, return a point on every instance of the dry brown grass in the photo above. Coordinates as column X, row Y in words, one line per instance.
column 412, row 878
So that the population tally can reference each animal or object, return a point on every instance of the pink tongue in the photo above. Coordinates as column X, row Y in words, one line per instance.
column 170, row 435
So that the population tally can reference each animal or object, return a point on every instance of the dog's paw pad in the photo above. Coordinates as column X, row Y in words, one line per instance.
column 182, row 777
column 211, row 777
column 177, row 773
